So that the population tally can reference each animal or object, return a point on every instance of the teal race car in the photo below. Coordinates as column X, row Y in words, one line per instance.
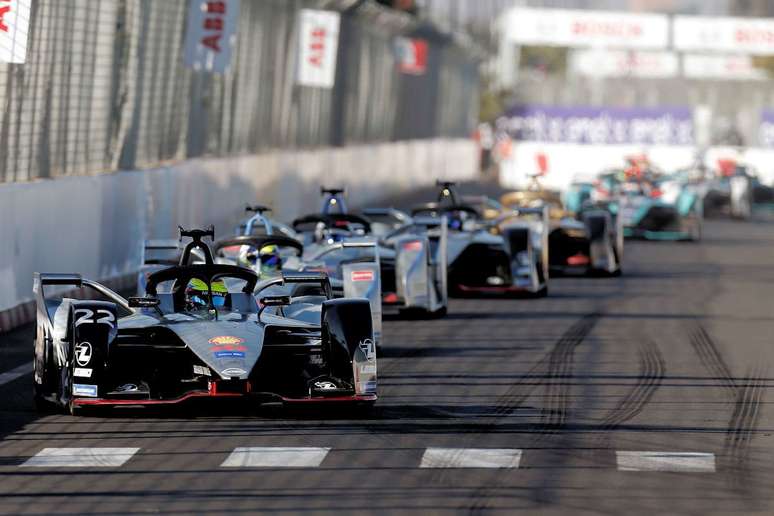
column 649, row 207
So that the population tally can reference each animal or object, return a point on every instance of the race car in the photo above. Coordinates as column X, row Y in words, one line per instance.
column 735, row 190
column 660, row 208
column 199, row 333
column 586, row 240
column 412, row 270
column 352, row 266
column 487, row 257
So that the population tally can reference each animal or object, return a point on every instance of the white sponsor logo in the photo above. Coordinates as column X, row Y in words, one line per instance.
column 85, row 390
column 233, row 371
column 368, row 348
column 82, row 372
column 325, row 386
column 83, row 353
column 202, row 370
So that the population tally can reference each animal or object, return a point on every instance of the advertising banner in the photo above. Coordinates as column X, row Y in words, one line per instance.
column 718, row 66
column 411, row 55
column 211, row 34
column 318, row 41
column 575, row 28
column 624, row 63
column 599, row 125
column 14, row 28
column 734, row 35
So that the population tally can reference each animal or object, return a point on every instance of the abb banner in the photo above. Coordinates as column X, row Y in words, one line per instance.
column 14, row 27
column 574, row 28
column 412, row 55
column 735, row 35
column 211, row 34
column 318, row 42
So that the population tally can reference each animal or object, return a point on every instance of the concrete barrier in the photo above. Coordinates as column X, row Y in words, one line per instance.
column 95, row 225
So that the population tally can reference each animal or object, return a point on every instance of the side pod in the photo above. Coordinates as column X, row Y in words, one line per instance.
column 347, row 335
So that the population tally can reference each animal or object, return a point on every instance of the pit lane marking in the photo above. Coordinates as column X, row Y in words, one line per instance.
column 471, row 458
column 665, row 461
column 80, row 458
column 17, row 372
column 275, row 457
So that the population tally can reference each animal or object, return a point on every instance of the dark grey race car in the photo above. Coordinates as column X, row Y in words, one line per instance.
column 160, row 349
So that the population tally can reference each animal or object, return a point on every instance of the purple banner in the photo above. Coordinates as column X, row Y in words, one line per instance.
column 766, row 129
column 599, row 125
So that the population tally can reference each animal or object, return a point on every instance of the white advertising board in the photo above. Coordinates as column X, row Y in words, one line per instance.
column 624, row 63
column 318, row 41
column 211, row 34
column 574, row 28
column 731, row 35
column 14, row 29
column 718, row 66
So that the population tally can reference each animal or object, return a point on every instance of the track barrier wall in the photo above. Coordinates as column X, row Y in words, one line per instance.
column 95, row 225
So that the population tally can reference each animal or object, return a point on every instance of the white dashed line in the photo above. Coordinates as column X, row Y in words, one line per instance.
column 15, row 373
column 666, row 461
column 81, row 457
column 471, row 458
column 275, row 457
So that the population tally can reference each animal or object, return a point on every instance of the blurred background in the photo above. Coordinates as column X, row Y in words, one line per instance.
column 203, row 106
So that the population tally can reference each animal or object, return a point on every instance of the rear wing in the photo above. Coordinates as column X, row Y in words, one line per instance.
column 313, row 278
column 161, row 252
column 60, row 282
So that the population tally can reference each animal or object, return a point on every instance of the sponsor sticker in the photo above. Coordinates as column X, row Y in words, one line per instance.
column 233, row 371
column 83, row 353
column 82, row 372
column 368, row 348
column 362, row 275
column 85, row 390
column 201, row 370
column 226, row 340
column 414, row 245
column 229, row 354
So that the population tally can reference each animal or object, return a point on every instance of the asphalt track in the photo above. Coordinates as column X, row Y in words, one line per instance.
column 675, row 357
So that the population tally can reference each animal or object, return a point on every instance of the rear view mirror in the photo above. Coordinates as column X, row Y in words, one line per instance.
column 267, row 301
column 144, row 302
column 275, row 301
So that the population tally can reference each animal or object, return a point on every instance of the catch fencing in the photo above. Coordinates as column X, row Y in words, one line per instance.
column 104, row 87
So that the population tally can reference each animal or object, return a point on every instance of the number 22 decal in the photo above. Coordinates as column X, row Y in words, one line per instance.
column 86, row 316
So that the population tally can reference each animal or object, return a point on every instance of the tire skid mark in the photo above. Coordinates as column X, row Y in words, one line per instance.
column 742, row 426
column 560, row 368
column 746, row 395
column 652, row 373
column 557, row 367
column 710, row 357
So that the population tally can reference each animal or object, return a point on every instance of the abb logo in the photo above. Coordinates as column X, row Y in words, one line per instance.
column 5, row 8
column 214, row 22
column 317, row 46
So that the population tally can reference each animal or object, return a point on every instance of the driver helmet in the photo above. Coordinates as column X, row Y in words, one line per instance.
column 197, row 294
column 271, row 260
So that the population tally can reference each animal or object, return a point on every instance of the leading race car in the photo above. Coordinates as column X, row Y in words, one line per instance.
column 199, row 333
